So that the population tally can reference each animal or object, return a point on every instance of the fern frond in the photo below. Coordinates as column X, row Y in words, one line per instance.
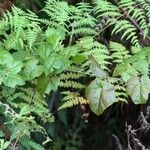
column 72, row 99
column 119, row 52
column 29, row 144
column 58, row 12
column 32, row 101
column 71, row 84
column 70, row 75
column 134, row 64
column 94, row 51
column 66, row 16
column 83, row 22
column 128, row 29
column 136, row 13
column 145, row 5
column 32, row 35
column 23, row 26
column 105, row 8
column 127, row 16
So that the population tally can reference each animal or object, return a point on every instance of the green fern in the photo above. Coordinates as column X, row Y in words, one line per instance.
column 94, row 51
column 29, row 144
column 71, row 75
column 72, row 99
column 137, row 14
column 127, row 18
column 119, row 52
column 65, row 16
column 145, row 5
column 23, row 26
column 32, row 102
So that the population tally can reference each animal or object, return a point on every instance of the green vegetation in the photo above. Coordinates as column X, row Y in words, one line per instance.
column 64, row 52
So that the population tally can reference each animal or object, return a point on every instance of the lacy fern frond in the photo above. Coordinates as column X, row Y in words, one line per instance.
column 120, row 90
column 59, row 12
column 119, row 52
column 71, row 84
column 94, row 51
column 65, row 16
column 127, row 16
column 145, row 5
column 83, row 23
column 137, row 14
column 28, row 144
column 32, row 102
column 105, row 8
column 72, row 99
column 23, row 26
column 71, row 75
column 134, row 65
column 129, row 31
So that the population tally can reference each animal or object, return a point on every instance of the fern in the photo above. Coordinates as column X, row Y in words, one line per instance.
column 128, row 18
column 119, row 52
column 71, row 75
column 65, row 16
column 145, row 6
column 32, row 102
column 29, row 144
column 129, row 31
column 23, row 26
column 134, row 65
column 83, row 22
column 94, row 51
column 120, row 89
column 72, row 84
column 63, row 52
column 137, row 14
column 105, row 8
column 71, row 99
column 67, row 81
column 58, row 12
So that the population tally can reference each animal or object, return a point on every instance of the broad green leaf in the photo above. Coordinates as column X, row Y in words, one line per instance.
column 53, row 84
column 44, row 50
column 4, row 145
column 55, row 63
column 146, row 81
column 20, row 55
column 61, row 63
column 70, row 51
column 32, row 69
column 48, row 64
column 100, row 96
column 79, row 59
column 126, row 76
column 141, row 66
column 13, row 80
column 138, row 89
column 1, row 134
column 15, row 66
column 53, row 37
column 97, row 71
column 121, row 68
column 5, row 57
column 42, row 83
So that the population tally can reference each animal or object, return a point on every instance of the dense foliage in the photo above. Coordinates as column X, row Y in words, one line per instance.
column 64, row 53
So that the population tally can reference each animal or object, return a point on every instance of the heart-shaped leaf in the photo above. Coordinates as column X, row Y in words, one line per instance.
column 138, row 89
column 101, row 95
